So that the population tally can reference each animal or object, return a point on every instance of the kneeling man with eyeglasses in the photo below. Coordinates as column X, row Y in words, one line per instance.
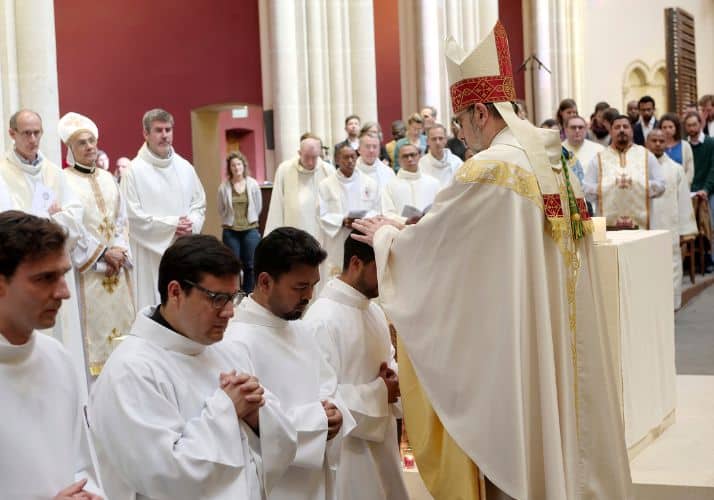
column 172, row 416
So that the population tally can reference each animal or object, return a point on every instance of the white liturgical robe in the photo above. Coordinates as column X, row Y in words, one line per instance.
column 42, row 437
column 408, row 188
column 34, row 189
column 106, row 302
column 356, row 342
column 442, row 170
column 550, row 425
column 377, row 171
column 340, row 196
column 585, row 152
column 288, row 362
column 673, row 211
column 163, row 428
column 157, row 192
column 294, row 200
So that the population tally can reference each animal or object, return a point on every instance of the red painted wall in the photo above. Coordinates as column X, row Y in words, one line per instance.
column 116, row 60
column 511, row 14
column 386, row 46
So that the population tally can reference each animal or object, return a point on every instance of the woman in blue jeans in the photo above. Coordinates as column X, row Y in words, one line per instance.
column 239, row 205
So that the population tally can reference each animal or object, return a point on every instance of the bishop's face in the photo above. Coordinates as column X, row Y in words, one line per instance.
column 84, row 148
column 471, row 129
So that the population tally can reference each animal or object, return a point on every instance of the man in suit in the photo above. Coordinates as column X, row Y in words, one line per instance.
column 647, row 121
column 706, row 109
column 352, row 127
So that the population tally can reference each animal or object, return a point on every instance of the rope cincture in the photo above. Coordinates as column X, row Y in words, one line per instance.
column 576, row 222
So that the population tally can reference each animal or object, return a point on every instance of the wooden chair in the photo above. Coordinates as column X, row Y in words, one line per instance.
column 686, row 244
column 702, row 244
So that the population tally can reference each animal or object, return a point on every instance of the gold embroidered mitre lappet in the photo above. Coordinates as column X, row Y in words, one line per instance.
column 485, row 75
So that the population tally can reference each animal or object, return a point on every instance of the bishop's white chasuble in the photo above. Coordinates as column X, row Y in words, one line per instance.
column 106, row 302
column 511, row 372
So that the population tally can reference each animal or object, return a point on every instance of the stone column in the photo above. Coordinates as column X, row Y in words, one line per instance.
column 37, row 67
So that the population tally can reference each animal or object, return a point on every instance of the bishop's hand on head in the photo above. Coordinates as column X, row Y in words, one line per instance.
column 368, row 228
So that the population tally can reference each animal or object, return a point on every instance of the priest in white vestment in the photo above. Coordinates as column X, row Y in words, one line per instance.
column 583, row 149
column 346, row 195
column 294, row 200
column 164, row 200
column 286, row 356
column 411, row 193
column 506, row 376
column 43, row 446
column 673, row 210
column 623, row 179
column 103, row 281
column 173, row 415
column 369, row 163
column 39, row 187
column 356, row 341
column 439, row 162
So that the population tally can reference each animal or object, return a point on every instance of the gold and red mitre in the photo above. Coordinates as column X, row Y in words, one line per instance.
column 484, row 75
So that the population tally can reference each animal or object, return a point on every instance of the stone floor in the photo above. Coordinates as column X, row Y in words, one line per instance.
column 694, row 335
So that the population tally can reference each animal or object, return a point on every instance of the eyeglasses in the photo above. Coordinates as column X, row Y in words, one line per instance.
column 219, row 299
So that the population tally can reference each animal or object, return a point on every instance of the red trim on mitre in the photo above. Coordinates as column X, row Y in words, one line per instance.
column 494, row 88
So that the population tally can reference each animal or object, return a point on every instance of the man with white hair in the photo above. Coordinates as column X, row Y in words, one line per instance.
column 164, row 201
column 439, row 162
column 122, row 166
column 369, row 163
column 294, row 201
column 106, row 305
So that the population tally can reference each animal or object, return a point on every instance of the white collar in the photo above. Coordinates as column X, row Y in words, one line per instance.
column 347, row 180
column 409, row 176
column 150, row 158
column 250, row 312
column 33, row 168
column 649, row 124
column 341, row 292
column 13, row 354
column 700, row 139
column 148, row 329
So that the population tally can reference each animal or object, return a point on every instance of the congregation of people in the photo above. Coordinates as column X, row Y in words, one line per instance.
column 259, row 366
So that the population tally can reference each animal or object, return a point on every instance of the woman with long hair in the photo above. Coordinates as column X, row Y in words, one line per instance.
column 677, row 149
column 566, row 109
column 239, row 205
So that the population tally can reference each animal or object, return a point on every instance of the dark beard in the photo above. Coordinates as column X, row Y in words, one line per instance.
column 599, row 130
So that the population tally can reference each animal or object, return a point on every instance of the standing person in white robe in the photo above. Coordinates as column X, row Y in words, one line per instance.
column 517, row 304
column 287, row 359
column 164, row 201
column 584, row 150
column 623, row 179
column 172, row 414
column 37, row 186
column 369, row 163
column 103, row 282
column 673, row 210
column 410, row 193
column 439, row 162
column 294, row 200
column 43, row 447
column 346, row 192
column 358, row 347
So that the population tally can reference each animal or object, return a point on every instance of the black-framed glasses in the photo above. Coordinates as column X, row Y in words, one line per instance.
column 219, row 299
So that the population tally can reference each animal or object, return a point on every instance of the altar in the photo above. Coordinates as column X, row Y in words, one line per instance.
column 635, row 275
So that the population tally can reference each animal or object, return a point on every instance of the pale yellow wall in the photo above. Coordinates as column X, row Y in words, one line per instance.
column 617, row 33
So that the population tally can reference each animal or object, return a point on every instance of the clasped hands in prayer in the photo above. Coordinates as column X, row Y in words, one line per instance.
column 185, row 226
column 391, row 380
column 247, row 395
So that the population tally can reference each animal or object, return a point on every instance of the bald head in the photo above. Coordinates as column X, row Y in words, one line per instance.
column 656, row 142
column 309, row 152
column 26, row 132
